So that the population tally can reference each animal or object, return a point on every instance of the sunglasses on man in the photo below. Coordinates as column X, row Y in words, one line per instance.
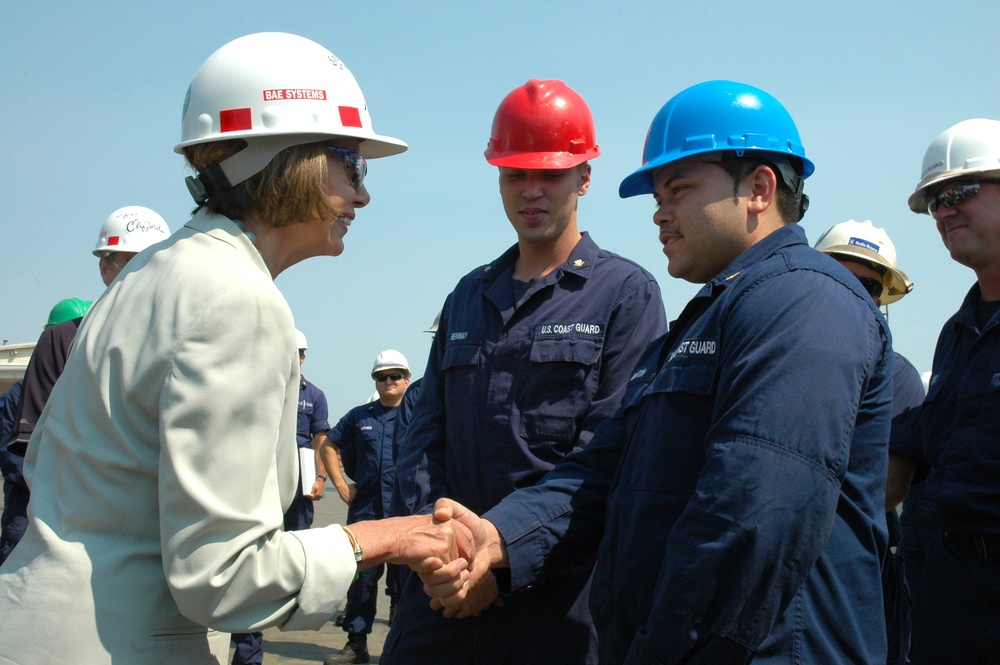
column 872, row 286
column 953, row 195
column 395, row 376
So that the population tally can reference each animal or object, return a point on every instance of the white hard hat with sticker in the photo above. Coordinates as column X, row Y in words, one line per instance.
column 275, row 90
column 130, row 229
column 866, row 242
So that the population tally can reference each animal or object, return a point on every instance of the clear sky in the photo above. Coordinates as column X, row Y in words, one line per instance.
column 92, row 94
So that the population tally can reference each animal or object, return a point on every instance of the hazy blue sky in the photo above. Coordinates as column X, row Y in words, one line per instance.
column 92, row 94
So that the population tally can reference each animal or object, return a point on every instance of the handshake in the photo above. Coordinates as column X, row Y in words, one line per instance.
column 452, row 554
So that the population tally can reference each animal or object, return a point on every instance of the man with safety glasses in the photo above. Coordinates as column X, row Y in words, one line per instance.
column 365, row 441
column 870, row 255
column 954, row 437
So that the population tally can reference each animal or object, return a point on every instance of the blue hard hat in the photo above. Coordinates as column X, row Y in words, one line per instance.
column 716, row 116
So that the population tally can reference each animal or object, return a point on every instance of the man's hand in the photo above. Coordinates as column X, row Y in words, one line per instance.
column 477, row 597
column 318, row 488
column 462, row 591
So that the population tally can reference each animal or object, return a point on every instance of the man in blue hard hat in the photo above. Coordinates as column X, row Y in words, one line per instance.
column 738, row 494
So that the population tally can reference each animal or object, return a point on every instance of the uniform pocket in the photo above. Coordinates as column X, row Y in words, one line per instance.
column 558, row 389
column 460, row 365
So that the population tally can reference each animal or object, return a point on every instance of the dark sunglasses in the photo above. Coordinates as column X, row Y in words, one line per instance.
column 395, row 376
column 872, row 286
column 952, row 196
column 354, row 164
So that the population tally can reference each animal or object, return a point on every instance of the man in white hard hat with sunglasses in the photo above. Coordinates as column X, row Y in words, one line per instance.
column 954, row 437
column 365, row 440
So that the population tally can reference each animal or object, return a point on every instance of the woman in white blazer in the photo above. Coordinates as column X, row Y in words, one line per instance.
column 167, row 448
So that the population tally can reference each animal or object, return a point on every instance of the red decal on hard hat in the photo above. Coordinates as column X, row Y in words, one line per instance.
column 349, row 116
column 234, row 120
column 113, row 240
column 294, row 93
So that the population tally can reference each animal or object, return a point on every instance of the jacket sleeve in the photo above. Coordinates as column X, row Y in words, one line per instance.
column 420, row 477
column 560, row 520
column 637, row 318
column 767, row 498
column 227, row 470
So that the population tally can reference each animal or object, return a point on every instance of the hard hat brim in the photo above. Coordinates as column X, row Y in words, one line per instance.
column 538, row 160
column 895, row 285
column 404, row 370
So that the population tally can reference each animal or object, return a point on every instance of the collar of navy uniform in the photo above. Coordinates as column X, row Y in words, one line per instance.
column 786, row 236
column 580, row 262
column 966, row 314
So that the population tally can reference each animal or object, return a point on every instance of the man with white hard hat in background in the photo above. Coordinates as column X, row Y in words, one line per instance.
column 868, row 252
column 126, row 232
column 313, row 425
column 533, row 351
column 953, row 439
column 364, row 438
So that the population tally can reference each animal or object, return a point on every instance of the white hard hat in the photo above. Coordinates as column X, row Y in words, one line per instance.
column 434, row 326
column 275, row 90
column 970, row 148
column 390, row 359
column 871, row 244
column 130, row 229
column 300, row 340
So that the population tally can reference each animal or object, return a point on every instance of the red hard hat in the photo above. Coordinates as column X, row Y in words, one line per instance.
column 542, row 125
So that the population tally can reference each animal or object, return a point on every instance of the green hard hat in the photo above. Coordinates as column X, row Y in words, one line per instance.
column 67, row 310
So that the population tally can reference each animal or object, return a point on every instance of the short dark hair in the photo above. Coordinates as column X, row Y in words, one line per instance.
column 739, row 167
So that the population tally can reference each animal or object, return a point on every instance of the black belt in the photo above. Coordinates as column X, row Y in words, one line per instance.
column 981, row 546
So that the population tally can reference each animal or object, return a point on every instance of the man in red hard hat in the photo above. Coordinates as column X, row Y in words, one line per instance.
column 532, row 352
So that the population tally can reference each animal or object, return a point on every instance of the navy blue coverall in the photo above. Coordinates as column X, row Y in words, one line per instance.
column 956, row 434
column 45, row 367
column 510, row 388
column 313, row 419
column 364, row 437
column 907, row 393
column 738, row 495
